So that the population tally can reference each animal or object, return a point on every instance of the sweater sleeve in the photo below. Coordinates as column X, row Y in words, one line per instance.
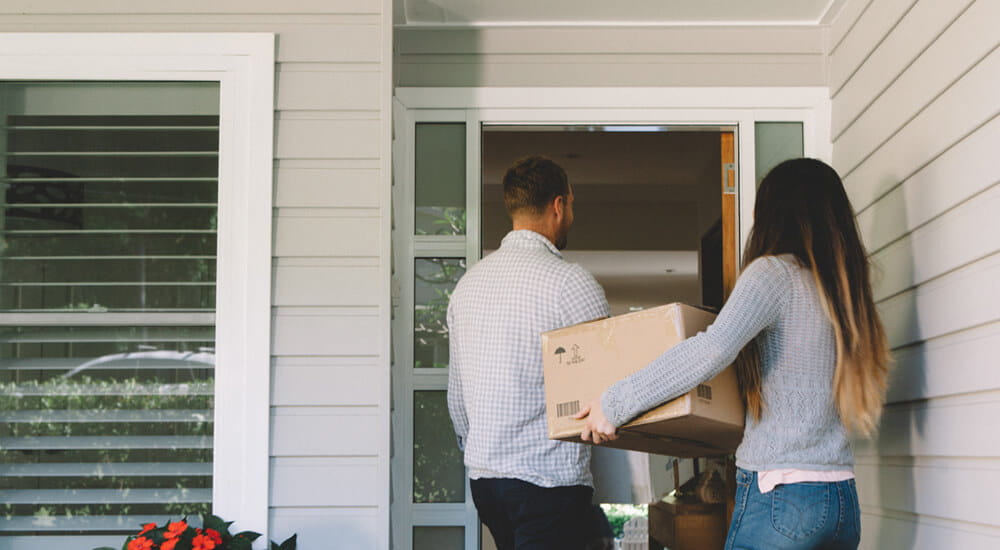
column 755, row 304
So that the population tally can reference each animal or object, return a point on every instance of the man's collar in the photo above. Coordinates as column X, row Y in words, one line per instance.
column 529, row 237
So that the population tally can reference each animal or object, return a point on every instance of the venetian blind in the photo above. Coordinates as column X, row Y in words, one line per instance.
column 107, row 297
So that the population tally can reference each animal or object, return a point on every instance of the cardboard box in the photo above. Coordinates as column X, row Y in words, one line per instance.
column 581, row 361
column 687, row 524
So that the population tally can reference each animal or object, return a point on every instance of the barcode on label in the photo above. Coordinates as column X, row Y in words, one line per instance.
column 568, row 408
column 705, row 392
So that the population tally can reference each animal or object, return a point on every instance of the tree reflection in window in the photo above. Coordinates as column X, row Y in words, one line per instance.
column 434, row 281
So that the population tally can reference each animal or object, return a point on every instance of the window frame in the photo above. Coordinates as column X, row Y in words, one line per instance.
column 243, row 64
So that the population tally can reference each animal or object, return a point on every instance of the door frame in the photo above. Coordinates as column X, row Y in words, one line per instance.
column 718, row 106
column 738, row 107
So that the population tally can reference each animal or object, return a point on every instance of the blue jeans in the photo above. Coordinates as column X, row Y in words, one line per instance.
column 797, row 516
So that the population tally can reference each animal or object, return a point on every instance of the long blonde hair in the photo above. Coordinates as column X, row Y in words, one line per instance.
column 803, row 210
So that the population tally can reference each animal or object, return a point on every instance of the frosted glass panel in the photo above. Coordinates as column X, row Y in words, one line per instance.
column 440, row 178
column 434, row 280
column 776, row 142
column 438, row 472
column 438, row 538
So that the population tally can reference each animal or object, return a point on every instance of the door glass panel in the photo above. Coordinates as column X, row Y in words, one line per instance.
column 440, row 178
column 438, row 538
column 775, row 142
column 107, row 300
column 434, row 281
column 438, row 471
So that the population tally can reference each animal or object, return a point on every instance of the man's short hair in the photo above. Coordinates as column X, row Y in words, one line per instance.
column 532, row 183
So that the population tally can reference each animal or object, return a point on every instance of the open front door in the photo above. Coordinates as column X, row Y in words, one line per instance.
column 730, row 254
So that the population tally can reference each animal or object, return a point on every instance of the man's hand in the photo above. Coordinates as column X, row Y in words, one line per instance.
column 597, row 426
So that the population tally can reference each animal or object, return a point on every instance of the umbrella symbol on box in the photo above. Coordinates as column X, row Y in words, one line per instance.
column 560, row 351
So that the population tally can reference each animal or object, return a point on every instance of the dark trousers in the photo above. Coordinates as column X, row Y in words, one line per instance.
column 524, row 516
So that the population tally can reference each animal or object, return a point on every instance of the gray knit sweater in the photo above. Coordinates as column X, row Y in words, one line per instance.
column 775, row 301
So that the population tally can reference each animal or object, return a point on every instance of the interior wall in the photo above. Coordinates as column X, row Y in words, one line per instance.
column 785, row 55
column 329, row 404
column 915, row 131
column 642, row 203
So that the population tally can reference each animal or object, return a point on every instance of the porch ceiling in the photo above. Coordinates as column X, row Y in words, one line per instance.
column 478, row 13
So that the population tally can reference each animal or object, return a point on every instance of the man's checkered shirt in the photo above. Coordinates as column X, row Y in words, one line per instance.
column 496, row 397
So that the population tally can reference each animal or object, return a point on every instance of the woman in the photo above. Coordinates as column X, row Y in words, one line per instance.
column 812, row 361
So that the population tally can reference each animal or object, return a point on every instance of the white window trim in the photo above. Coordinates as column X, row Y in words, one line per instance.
column 243, row 64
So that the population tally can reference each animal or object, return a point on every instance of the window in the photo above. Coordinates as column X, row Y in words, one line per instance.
column 432, row 508
column 108, row 260
column 128, row 295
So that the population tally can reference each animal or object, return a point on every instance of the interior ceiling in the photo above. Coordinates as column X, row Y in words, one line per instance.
column 682, row 158
column 472, row 13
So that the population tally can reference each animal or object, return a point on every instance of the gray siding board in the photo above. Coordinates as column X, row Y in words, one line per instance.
column 330, row 361
column 915, row 128
column 609, row 56
column 159, row 7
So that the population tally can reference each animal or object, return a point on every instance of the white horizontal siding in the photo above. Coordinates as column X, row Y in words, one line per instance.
column 957, row 112
column 348, row 39
column 324, row 482
column 915, row 127
column 628, row 40
column 962, row 299
column 962, row 487
column 311, row 136
column 961, row 362
column 325, row 184
column 327, row 86
column 904, row 267
column 867, row 32
column 326, row 331
column 342, row 528
column 325, row 431
column 610, row 56
column 315, row 233
column 952, row 426
column 969, row 168
column 969, row 39
column 102, row 7
column 843, row 22
column 300, row 282
column 907, row 41
column 330, row 380
column 891, row 529
column 610, row 70
column 325, row 381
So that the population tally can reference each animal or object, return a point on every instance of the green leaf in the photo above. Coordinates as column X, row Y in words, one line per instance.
column 244, row 540
column 289, row 543
column 210, row 521
column 104, row 548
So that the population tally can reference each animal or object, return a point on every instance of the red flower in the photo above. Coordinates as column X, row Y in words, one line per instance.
column 175, row 529
column 169, row 544
column 201, row 542
column 214, row 535
column 147, row 527
column 141, row 543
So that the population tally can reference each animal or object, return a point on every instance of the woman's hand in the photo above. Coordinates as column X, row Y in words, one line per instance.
column 597, row 426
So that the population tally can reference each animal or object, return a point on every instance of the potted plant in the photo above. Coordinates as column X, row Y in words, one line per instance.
column 179, row 535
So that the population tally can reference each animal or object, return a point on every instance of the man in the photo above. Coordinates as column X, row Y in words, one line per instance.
column 530, row 491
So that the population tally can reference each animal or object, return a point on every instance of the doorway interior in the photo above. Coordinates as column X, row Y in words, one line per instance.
column 648, row 205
